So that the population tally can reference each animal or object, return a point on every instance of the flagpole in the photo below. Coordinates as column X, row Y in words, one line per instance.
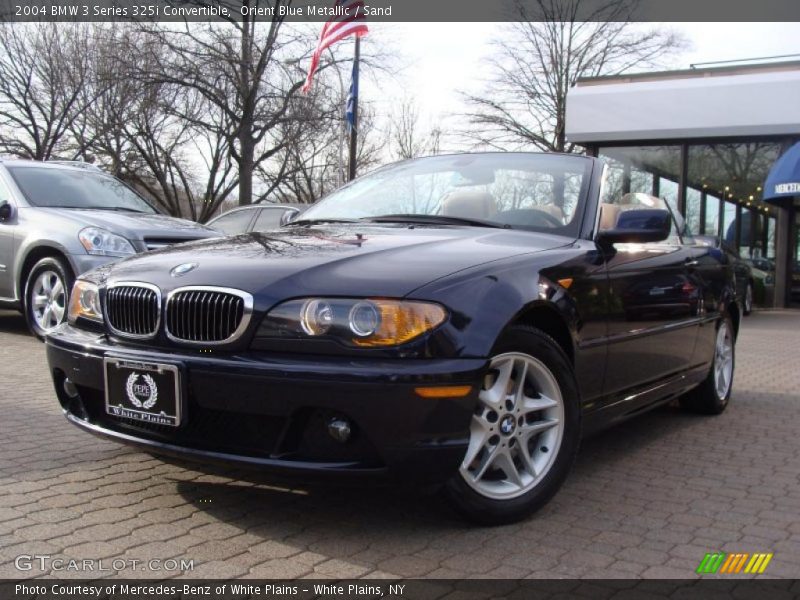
column 354, row 128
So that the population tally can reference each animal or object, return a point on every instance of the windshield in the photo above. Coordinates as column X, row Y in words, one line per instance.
column 73, row 188
column 542, row 192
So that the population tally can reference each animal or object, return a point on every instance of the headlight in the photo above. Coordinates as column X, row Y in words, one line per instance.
column 357, row 322
column 85, row 302
column 104, row 243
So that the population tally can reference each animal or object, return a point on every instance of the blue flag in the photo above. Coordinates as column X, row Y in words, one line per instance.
column 351, row 99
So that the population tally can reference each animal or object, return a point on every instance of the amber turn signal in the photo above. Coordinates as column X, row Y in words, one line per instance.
column 565, row 283
column 444, row 391
column 400, row 322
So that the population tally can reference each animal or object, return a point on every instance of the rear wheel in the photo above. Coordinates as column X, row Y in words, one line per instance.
column 748, row 299
column 711, row 397
column 524, row 433
column 47, row 295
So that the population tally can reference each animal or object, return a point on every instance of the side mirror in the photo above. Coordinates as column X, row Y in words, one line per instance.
column 637, row 225
column 6, row 211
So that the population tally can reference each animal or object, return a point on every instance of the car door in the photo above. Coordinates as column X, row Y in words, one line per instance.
column 653, row 314
column 7, row 229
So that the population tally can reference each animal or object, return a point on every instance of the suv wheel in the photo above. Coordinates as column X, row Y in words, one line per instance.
column 524, row 433
column 47, row 295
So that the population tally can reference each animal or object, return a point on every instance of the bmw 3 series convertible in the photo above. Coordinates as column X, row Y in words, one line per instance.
column 457, row 321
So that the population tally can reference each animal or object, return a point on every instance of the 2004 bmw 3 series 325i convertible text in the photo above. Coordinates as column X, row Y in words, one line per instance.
column 460, row 320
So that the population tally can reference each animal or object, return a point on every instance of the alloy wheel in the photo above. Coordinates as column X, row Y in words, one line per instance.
column 723, row 361
column 748, row 298
column 48, row 300
column 516, row 430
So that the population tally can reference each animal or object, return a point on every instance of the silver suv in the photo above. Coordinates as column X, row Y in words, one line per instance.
column 58, row 220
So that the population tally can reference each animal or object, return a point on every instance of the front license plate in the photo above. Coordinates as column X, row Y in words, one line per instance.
column 144, row 392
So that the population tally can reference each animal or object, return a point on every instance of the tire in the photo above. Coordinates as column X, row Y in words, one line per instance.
column 544, row 418
column 711, row 397
column 46, row 298
column 747, row 305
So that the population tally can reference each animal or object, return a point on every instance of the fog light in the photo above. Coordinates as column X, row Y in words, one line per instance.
column 70, row 389
column 339, row 429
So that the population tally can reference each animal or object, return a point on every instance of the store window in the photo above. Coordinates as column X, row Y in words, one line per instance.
column 735, row 172
column 651, row 170
column 771, row 224
column 694, row 200
column 668, row 190
column 712, row 215
column 729, row 222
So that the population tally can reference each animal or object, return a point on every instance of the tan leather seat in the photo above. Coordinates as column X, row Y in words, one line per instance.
column 553, row 211
column 608, row 216
column 470, row 204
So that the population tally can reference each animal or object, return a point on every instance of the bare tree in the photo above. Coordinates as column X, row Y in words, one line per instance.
column 535, row 62
column 310, row 170
column 407, row 138
column 239, row 69
column 138, row 130
column 45, row 70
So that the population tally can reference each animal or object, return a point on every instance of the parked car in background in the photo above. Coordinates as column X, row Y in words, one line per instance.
column 257, row 217
column 763, row 269
column 58, row 220
column 749, row 282
column 763, row 264
column 795, row 289
column 456, row 320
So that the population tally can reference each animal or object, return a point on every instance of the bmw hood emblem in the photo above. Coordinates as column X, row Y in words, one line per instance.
column 183, row 269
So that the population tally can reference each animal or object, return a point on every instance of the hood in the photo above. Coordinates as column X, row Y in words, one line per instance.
column 135, row 226
column 389, row 261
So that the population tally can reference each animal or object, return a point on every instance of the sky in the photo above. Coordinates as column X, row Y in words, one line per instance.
column 442, row 58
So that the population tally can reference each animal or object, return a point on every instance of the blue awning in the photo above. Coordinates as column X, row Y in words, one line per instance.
column 783, row 180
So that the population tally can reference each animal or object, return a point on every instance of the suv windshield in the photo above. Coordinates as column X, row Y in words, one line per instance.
column 73, row 188
column 541, row 192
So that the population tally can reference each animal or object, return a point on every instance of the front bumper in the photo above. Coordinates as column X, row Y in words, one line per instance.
column 271, row 412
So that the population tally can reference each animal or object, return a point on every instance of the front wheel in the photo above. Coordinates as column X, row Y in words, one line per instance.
column 524, row 433
column 711, row 397
column 47, row 291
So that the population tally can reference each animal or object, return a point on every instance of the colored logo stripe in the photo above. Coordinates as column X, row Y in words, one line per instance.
column 734, row 563
column 721, row 562
column 758, row 564
column 711, row 563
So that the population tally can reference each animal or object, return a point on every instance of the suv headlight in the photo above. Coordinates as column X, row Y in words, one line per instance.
column 85, row 302
column 104, row 243
column 363, row 323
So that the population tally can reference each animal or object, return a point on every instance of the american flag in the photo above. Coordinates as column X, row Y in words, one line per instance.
column 349, row 20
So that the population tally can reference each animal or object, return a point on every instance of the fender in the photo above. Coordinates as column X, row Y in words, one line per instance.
column 485, row 301
column 24, row 251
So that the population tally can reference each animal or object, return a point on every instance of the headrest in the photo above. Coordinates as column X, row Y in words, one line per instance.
column 608, row 216
column 469, row 204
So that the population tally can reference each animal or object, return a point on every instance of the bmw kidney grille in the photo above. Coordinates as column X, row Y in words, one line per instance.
column 133, row 310
column 193, row 315
column 207, row 315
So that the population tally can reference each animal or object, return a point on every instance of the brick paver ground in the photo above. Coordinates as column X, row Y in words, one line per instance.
column 646, row 499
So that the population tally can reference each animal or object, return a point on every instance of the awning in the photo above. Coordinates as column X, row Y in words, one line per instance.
column 783, row 180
